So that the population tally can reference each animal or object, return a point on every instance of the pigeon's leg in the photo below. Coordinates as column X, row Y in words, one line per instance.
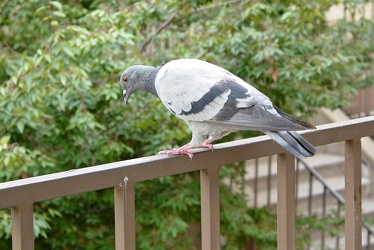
column 208, row 142
column 179, row 151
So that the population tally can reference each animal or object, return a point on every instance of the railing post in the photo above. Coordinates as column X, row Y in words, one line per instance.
column 23, row 227
column 124, row 209
column 286, row 201
column 353, row 213
column 210, row 208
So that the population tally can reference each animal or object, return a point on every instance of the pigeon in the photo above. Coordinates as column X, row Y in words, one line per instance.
column 214, row 102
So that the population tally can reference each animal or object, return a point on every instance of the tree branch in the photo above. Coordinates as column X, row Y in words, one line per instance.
column 4, row 7
column 165, row 24
column 149, row 40
column 213, row 6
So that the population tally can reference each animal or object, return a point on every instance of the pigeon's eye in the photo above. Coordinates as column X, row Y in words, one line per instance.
column 125, row 79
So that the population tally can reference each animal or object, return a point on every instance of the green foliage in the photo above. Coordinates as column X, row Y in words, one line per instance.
column 164, row 211
column 61, row 104
column 263, row 228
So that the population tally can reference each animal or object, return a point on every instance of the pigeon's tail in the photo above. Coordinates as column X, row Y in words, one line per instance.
column 300, row 124
column 293, row 143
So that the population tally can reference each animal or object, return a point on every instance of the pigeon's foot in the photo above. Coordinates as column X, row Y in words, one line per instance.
column 206, row 144
column 184, row 150
column 179, row 151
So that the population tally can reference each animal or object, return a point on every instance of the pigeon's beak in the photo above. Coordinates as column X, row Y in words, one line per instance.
column 125, row 96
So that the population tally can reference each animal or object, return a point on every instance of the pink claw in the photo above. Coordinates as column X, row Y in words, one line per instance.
column 207, row 144
column 184, row 149
column 178, row 151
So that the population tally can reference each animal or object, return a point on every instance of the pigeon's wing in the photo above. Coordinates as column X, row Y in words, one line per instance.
column 199, row 91
column 189, row 88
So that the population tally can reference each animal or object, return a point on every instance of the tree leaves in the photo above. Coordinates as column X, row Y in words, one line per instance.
column 61, row 104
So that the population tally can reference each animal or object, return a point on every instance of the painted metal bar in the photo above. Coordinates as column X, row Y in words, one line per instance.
column 324, row 202
column 16, row 193
column 269, row 181
column 368, row 240
column 314, row 174
column 75, row 181
column 23, row 227
column 255, row 189
column 353, row 210
column 124, row 209
column 370, row 233
column 338, row 216
column 286, row 201
column 297, row 182
column 210, row 208
column 310, row 200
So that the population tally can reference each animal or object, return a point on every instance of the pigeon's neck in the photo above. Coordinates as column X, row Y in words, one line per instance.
column 149, row 80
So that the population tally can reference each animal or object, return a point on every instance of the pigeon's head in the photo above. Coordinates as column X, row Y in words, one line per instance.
column 134, row 78
column 128, row 82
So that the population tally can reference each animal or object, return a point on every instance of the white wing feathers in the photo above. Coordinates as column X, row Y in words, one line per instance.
column 183, row 92
column 198, row 91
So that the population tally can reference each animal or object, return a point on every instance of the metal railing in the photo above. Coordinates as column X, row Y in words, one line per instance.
column 323, row 209
column 20, row 195
column 337, row 197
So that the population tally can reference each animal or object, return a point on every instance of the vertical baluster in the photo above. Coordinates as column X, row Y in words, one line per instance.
column 256, row 182
column 124, row 208
column 368, row 240
column 353, row 213
column 286, row 201
column 338, row 215
column 323, row 215
column 23, row 227
column 269, row 181
column 310, row 199
column 297, row 183
column 210, row 208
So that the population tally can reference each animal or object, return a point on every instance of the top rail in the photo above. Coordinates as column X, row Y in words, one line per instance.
column 88, row 179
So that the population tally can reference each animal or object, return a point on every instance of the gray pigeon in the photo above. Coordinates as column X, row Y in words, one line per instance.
column 214, row 102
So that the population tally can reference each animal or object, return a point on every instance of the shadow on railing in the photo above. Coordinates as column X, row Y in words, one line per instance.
column 20, row 195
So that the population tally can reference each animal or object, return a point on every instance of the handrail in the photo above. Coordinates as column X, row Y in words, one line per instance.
column 140, row 170
column 322, row 181
column 21, row 194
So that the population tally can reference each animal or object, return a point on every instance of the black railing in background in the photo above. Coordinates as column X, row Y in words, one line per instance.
column 328, row 191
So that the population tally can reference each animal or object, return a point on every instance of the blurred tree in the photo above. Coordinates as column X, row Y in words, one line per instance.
column 61, row 104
